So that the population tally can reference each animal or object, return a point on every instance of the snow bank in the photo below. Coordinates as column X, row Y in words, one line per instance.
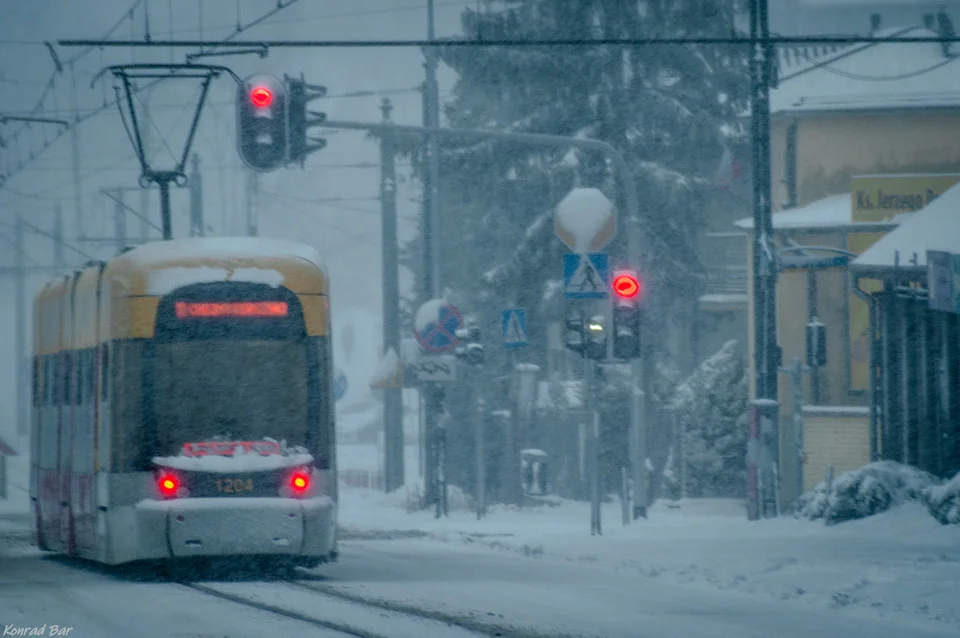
column 900, row 563
column 864, row 492
column 239, row 460
column 226, row 248
column 943, row 501
column 166, row 280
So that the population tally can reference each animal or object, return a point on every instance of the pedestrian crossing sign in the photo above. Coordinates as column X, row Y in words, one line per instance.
column 514, row 328
column 586, row 276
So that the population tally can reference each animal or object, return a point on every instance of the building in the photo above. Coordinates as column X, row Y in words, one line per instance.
column 915, row 338
column 851, row 17
column 862, row 136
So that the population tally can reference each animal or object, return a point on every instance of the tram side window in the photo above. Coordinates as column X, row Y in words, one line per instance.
column 91, row 374
column 79, row 390
column 127, row 407
column 36, row 381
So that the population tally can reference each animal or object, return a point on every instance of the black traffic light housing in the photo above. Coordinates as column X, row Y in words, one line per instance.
column 626, row 330
column 262, row 122
column 816, row 343
column 596, row 338
column 470, row 348
column 574, row 331
column 627, row 314
column 299, row 119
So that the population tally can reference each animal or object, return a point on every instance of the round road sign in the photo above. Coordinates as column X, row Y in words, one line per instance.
column 437, row 324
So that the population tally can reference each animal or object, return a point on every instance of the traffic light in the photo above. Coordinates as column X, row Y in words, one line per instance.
column 299, row 120
column 627, row 289
column 816, row 344
column 574, row 337
column 470, row 348
column 262, row 122
column 596, row 332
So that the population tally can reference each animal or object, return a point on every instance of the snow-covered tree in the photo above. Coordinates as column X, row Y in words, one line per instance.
column 711, row 412
column 672, row 111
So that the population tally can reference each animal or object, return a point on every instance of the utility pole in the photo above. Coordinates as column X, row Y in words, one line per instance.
column 196, row 198
column 766, row 350
column 393, row 449
column 58, row 262
column 21, row 327
column 119, row 223
column 253, row 188
column 433, row 400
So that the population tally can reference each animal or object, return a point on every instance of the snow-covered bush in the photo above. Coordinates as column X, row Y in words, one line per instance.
column 710, row 408
column 872, row 489
column 943, row 501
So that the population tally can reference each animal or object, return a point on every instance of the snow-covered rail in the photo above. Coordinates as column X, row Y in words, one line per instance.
column 328, row 609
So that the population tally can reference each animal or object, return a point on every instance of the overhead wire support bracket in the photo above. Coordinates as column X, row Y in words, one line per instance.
column 42, row 120
column 127, row 73
column 261, row 50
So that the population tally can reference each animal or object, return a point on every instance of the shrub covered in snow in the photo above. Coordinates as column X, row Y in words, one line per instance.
column 872, row 489
column 943, row 501
column 711, row 411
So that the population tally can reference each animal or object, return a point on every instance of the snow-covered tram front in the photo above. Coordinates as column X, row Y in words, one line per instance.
column 215, row 431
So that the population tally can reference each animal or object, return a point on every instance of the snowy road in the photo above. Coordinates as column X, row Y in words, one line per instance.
column 554, row 598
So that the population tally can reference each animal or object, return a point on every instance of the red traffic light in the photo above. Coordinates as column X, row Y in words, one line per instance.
column 261, row 97
column 626, row 286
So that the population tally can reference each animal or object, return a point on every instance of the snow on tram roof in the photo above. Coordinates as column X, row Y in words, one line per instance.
column 228, row 248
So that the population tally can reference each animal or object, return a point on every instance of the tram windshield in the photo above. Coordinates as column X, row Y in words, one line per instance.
column 230, row 389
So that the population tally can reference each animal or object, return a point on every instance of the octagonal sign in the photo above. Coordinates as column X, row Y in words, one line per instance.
column 585, row 220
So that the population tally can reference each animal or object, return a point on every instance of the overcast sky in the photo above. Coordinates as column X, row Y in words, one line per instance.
column 347, row 232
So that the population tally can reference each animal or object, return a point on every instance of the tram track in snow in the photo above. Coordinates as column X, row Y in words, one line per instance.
column 327, row 608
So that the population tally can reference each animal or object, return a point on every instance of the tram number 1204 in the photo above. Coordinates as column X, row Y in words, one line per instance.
column 234, row 486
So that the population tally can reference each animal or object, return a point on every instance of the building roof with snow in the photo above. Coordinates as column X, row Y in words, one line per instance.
column 935, row 227
column 830, row 213
column 871, row 76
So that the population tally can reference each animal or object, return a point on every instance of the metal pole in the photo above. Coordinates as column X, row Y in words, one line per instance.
column 797, row 373
column 75, row 158
column 253, row 186
column 594, row 448
column 21, row 327
column 144, row 192
column 58, row 264
column 119, row 222
column 480, row 445
column 432, row 120
column 393, row 447
column 164, row 185
column 196, row 198
column 766, row 350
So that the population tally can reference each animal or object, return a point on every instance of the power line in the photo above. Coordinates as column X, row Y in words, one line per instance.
column 281, row 4
column 531, row 42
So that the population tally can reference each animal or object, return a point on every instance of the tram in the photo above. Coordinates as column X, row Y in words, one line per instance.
column 183, row 405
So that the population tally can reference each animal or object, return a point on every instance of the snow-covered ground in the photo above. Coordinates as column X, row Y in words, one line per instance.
column 899, row 565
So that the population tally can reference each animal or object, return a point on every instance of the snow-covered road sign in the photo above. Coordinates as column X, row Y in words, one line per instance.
column 585, row 220
column 439, row 368
column 586, row 276
column 514, row 328
column 436, row 325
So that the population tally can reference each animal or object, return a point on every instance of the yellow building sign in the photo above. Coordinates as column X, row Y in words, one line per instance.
column 876, row 199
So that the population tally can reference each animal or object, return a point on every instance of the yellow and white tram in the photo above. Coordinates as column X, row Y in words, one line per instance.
column 183, row 405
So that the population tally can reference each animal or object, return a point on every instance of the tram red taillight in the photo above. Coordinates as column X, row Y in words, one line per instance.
column 299, row 482
column 168, row 485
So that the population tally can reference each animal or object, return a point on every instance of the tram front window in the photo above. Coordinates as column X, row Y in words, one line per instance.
column 236, row 390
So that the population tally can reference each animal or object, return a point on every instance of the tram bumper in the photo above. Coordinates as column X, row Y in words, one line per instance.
column 243, row 526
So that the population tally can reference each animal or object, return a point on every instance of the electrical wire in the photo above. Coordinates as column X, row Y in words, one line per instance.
column 825, row 65
column 280, row 5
